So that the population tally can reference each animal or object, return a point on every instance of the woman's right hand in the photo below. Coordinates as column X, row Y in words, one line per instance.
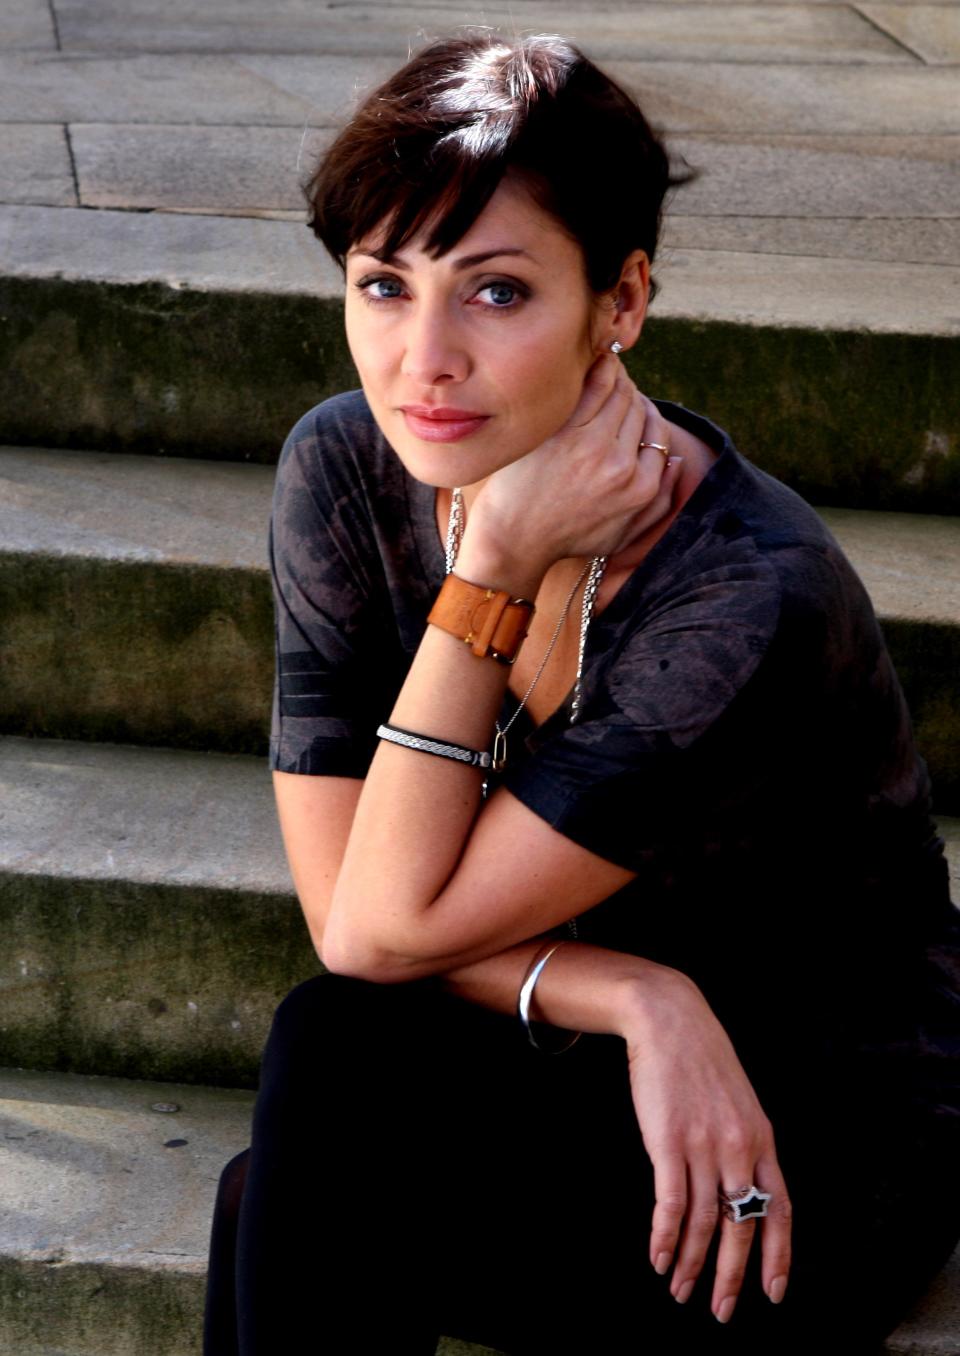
column 705, row 1132
column 590, row 489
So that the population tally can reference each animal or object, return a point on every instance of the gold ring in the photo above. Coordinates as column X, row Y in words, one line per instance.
column 659, row 446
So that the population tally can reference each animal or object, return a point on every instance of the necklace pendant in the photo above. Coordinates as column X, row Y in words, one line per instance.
column 499, row 760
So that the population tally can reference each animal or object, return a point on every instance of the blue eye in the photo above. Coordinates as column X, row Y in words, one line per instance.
column 497, row 290
column 381, row 282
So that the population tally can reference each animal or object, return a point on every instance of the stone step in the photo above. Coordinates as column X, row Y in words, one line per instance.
column 207, row 335
column 150, row 574
column 149, row 917
column 107, row 1189
column 150, row 920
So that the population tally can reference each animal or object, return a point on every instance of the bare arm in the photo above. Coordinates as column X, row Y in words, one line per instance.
column 585, row 988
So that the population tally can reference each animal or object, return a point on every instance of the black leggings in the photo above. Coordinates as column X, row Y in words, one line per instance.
column 417, row 1169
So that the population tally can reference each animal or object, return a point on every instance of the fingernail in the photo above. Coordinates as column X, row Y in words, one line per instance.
column 684, row 1293
column 726, row 1309
column 675, row 461
column 777, row 1286
column 662, row 1265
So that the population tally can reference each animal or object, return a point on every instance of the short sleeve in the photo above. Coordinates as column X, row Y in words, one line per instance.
column 676, row 726
column 336, row 649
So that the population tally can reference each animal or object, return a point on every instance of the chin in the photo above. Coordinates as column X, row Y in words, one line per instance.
column 442, row 465
column 436, row 466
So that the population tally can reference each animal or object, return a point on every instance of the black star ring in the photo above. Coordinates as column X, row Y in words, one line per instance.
column 746, row 1203
column 658, row 446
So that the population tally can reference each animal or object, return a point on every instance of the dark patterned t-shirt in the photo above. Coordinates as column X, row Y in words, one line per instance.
column 743, row 744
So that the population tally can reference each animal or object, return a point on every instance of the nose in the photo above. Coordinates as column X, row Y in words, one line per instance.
column 433, row 354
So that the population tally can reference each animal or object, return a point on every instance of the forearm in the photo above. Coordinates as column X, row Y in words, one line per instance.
column 416, row 811
column 581, row 988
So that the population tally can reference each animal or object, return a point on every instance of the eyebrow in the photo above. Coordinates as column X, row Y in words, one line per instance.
column 468, row 260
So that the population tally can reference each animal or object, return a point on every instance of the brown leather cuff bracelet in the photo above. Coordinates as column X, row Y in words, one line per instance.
column 488, row 620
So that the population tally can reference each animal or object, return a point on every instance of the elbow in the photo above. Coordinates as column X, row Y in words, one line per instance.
column 359, row 959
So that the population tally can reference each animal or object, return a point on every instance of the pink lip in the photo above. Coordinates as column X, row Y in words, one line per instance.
column 441, row 412
column 440, row 424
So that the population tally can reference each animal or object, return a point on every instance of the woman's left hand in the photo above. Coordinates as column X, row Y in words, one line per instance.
column 704, row 1131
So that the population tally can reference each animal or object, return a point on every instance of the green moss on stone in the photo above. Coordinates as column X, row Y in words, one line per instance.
column 136, row 652
column 142, row 980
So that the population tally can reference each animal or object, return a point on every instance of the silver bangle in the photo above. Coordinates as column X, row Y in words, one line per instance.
column 424, row 744
column 523, row 1004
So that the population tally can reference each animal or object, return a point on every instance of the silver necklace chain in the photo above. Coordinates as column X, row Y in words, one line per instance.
column 594, row 572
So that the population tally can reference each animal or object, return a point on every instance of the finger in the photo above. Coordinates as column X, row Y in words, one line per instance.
column 776, row 1229
column 659, row 506
column 651, row 464
column 670, row 1188
column 703, row 1215
column 736, row 1240
column 602, row 377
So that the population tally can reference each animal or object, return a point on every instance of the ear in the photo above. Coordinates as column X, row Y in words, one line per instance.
column 624, row 318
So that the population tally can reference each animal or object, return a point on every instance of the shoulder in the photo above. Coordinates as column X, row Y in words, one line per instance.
column 341, row 424
column 745, row 521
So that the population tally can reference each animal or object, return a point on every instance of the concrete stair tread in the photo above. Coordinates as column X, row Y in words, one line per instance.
column 91, row 811
column 132, row 507
column 210, row 253
column 910, row 562
column 183, row 510
column 96, row 1182
column 106, row 1210
column 68, row 1136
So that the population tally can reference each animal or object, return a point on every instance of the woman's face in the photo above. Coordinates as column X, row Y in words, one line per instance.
column 495, row 348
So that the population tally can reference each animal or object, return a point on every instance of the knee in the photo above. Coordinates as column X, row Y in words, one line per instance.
column 317, row 1004
column 230, row 1190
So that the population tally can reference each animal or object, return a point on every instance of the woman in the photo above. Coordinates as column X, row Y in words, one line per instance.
column 702, row 840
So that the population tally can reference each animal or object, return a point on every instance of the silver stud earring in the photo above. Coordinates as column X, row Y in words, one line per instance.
column 616, row 346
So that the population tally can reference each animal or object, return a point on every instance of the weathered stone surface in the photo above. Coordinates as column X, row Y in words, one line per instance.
column 104, row 1228
column 647, row 31
column 35, row 165
column 931, row 1330
column 151, row 921
column 250, row 168
column 180, row 511
column 821, row 176
column 147, row 647
column 91, row 812
column 213, row 168
column 826, row 295
column 934, row 240
column 266, row 88
column 911, row 566
column 26, row 24
column 912, row 561
column 202, row 253
column 834, row 100
column 932, row 31
column 215, row 88
column 950, row 832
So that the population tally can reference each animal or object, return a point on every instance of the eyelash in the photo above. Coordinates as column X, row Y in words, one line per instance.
column 365, row 284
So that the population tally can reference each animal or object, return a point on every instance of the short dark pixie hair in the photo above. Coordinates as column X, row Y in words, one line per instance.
column 429, row 147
